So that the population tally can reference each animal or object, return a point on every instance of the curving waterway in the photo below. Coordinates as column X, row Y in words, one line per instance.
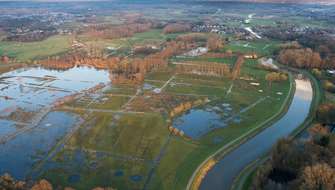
column 221, row 176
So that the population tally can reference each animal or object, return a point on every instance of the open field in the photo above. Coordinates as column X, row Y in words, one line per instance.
column 261, row 47
column 27, row 51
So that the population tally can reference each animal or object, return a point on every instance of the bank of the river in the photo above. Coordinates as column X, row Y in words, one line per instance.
column 195, row 181
column 244, row 179
column 224, row 172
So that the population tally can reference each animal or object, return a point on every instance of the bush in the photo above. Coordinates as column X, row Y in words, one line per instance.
column 326, row 113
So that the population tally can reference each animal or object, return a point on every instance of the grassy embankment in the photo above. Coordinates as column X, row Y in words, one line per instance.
column 244, row 180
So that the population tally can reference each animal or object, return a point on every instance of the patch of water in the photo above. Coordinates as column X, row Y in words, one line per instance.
column 118, row 173
column 135, row 178
column 18, row 156
column 6, row 128
column 32, row 88
column 75, row 178
column 196, row 122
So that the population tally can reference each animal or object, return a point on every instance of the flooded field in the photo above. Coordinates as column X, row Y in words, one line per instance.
column 199, row 121
column 75, row 128
column 29, row 128
column 19, row 155
column 30, row 89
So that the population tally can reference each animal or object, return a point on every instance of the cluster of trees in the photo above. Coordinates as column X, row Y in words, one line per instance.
column 132, row 71
column 192, row 37
column 78, row 58
column 301, row 58
column 214, row 42
column 320, row 41
column 326, row 113
column 176, row 28
column 31, row 36
column 329, row 86
column 300, row 165
column 145, row 50
column 276, row 77
column 121, row 31
column 4, row 59
column 237, row 67
column 173, row 48
column 204, row 68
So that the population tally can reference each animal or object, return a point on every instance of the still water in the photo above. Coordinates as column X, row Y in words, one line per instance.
column 23, row 93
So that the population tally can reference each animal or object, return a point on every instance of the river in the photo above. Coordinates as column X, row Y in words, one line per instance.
column 222, row 175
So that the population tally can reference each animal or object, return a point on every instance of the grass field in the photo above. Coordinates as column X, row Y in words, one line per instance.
column 261, row 47
column 28, row 51
column 130, row 151
column 125, row 141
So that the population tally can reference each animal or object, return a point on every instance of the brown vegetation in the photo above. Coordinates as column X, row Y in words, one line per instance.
column 237, row 67
column 176, row 28
column 218, row 55
column 318, row 176
column 276, row 77
column 204, row 68
column 302, row 58
column 300, row 165
column 214, row 42
column 192, row 37
column 115, row 32
column 326, row 113
column 4, row 59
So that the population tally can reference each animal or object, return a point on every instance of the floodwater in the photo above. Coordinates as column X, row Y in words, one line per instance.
column 24, row 93
column 33, row 88
column 224, row 172
column 19, row 155
column 198, row 122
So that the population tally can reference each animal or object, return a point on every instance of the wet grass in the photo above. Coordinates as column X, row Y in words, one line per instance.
column 113, row 142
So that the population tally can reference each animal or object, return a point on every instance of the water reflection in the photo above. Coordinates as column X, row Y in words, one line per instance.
column 19, row 155
column 198, row 122
column 33, row 88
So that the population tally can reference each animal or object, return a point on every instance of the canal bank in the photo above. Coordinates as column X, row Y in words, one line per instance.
column 244, row 179
column 221, row 176
column 201, row 171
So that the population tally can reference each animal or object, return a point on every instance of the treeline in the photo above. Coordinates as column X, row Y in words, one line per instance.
column 120, row 31
column 176, row 28
column 301, row 58
column 320, row 47
column 326, row 114
column 31, row 36
column 276, row 77
column 122, row 69
column 300, row 165
column 213, row 42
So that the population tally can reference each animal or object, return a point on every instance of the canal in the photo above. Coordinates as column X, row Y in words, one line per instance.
column 222, row 175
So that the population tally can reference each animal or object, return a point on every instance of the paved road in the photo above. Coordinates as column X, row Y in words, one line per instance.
column 222, row 175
